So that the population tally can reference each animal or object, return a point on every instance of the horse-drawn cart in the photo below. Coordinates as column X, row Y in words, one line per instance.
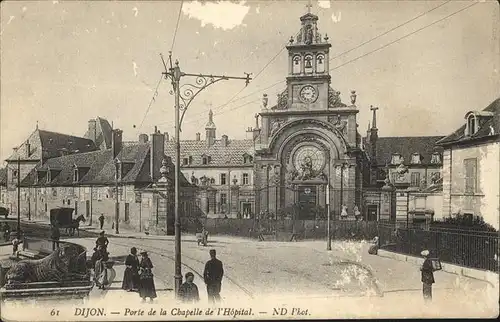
column 63, row 216
column 61, row 273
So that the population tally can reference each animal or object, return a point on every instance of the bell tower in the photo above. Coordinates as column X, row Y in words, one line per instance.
column 308, row 71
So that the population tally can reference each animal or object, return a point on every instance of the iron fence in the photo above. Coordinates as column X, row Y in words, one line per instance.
column 465, row 248
column 302, row 229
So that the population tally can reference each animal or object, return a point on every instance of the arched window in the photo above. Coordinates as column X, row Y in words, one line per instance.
column 320, row 63
column 308, row 64
column 296, row 65
column 471, row 125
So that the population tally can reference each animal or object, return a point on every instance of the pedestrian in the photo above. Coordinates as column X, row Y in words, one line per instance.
column 427, row 275
column 55, row 234
column 131, row 275
column 146, row 283
column 100, row 269
column 15, row 246
column 102, row 241
column 6, row 232
column 188, row 292
column 101, row 221
column 212, row 276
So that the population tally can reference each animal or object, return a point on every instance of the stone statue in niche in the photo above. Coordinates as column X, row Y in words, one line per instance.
column 308, row 35
column 306, row 171
column 275, row 126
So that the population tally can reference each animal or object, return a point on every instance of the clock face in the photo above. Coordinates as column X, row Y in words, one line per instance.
column 309, row 156
column 308, row 94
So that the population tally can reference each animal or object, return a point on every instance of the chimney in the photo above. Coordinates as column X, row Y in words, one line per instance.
column 198, row 136
column 92, row 131
column 143, row 138
column 167, row 137
column 157, row 154
column 116, row 142
column 224, row 140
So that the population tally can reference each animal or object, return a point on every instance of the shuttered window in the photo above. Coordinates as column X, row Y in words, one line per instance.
column 470, row 166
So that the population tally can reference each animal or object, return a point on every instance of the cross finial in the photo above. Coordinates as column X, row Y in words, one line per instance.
column 309, row 6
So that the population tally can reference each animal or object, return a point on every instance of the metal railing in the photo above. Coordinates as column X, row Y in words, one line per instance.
column 465, row 248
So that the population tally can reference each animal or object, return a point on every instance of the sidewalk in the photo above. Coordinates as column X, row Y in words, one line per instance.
column 394, row 275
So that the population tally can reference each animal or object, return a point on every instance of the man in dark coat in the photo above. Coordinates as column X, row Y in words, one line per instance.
column 212, row 276
column 188, row 292
column 101, row 221
column 427, row 275
column 55, row 234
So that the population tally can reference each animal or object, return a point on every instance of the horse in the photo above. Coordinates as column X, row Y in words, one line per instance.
column 75, row 223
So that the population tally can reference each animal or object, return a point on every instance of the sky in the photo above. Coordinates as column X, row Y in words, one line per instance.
column 65, row 62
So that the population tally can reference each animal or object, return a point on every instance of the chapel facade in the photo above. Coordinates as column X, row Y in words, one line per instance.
column 307, row 150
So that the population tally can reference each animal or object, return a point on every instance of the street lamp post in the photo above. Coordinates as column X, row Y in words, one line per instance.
column 184, row 95
column 329, row 240
column 117, row 203
column 18, row 198
column 344, row 165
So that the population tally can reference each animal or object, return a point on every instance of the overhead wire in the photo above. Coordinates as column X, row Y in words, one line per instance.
column 234, row 99
column 359, row 57
column 153, row 99
column 390, row 30
column 155, row 93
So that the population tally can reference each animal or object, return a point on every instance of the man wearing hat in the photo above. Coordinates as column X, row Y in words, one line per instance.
column 427, row 275
column 188, row 292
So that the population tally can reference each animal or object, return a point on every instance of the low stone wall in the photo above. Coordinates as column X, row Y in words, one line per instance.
column 493, row 278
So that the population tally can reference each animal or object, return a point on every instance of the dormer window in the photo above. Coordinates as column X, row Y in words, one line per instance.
column 187, row 160
column 396, row 159
column 416, row 158
column 76, row 176
column 205, row 159
column 14, row 175
column 472, row 126
column 436, row 158
column 247, row 158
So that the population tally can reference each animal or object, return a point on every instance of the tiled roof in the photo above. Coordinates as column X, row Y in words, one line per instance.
column 52, row 145
column 89, row 163
column 484, row 131
column 3, row 176
column 98, row 168
column 135, row 155
column 221, row 155
column 406, row 146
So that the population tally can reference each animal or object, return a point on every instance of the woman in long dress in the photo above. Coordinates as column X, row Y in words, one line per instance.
column 146, row 283
column 103, row 274
column 131, row 275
